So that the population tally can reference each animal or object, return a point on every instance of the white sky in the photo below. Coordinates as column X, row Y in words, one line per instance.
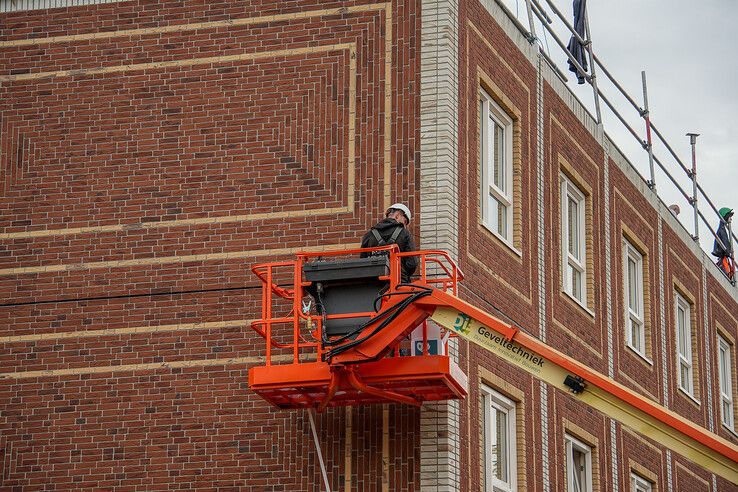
column 687, row 49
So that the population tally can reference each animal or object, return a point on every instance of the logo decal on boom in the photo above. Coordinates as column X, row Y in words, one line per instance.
column 461, row 325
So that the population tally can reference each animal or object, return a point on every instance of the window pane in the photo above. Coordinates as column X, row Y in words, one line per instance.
column 500, row 464
column 686, row 381
column 494, row 451
column 635, row 340
column 497, row 216
column 502, row 220
column 639, row 484
column 497, row 134
column 683, row 331
column 499, row 451
column 580, row 470
column 633, row 286
column 573, row 229
column 724, row 372
column 575, row 277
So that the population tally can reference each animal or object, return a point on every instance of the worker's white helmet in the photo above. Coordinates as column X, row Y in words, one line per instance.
column 401, row 207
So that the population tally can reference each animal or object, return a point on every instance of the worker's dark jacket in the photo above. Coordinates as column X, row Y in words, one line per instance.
column 725, row 250
column 405, row 242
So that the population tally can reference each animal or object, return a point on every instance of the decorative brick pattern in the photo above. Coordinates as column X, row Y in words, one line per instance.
column 169, row 146
column 708, row 329
column 439, row 422
column 151, row 152
column 543, row 295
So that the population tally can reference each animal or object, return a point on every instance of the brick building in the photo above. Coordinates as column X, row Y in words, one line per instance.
column 152, row 151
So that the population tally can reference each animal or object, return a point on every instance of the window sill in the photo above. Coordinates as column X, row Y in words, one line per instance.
column 580, row 304
column 504, row 241
column 732, row 431
column 691, row 397
column 639, row 354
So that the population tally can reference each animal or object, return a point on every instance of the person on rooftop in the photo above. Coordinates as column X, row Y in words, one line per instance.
column 723, row 247
column 393, row 230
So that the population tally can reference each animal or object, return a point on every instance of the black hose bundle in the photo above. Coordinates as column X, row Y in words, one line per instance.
column 386, row 317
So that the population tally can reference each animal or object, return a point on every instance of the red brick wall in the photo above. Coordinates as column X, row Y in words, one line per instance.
column 133, row 196
column 635, row 220
column 182, row 176
column 498, row 277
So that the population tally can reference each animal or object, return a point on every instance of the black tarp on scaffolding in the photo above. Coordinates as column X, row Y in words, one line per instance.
column 575, row 47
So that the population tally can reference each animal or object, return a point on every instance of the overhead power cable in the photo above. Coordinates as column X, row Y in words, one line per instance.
column 129, row 296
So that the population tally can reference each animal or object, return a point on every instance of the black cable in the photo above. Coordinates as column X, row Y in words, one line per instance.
column 380, row 327
column 360, row 328
column 371, row 321
column 383, row 295
column 395, row 309
column 128, row 296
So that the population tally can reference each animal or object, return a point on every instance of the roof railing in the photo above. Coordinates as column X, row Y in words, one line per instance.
column 535, row 9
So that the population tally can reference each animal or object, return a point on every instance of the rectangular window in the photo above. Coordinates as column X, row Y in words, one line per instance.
column 633, row 289
column 496, row 167
column 500, row 466
column 639, row 484
column 684, row 344
column 578, row 465
column 725, row 371
column 573, row 240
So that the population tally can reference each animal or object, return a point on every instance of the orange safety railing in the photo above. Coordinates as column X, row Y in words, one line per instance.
column 436, row 269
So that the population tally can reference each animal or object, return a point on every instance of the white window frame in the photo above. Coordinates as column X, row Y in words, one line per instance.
column 634, row 314
column 574, row 444
column 492, row 401
column 569, row 261
column 490, row 111
column 639, row 484
column 684, row 358
column 725, row 372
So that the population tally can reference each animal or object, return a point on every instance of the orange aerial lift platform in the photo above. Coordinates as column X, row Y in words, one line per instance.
column 337, row 325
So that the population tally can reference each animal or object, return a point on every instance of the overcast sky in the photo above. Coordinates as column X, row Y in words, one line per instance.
column 688, row 51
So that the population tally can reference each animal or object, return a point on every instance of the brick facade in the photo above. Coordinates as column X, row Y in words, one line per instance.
column 151, row 152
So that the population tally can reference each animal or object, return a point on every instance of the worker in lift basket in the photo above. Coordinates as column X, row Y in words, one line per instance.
column 724, row 251
column 393, row 230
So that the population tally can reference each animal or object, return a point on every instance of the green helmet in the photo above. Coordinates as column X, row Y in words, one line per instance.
column 725, row 212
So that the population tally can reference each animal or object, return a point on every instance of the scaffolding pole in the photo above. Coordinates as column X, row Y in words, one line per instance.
column 531, row 22
column 537, row 11
column 693, row 175
column 649, row 144
column 587, row 43
column 651, row 129
column 593, row 79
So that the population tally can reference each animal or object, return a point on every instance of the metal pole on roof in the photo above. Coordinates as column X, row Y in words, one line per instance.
column 531, row 23
column 593, row 79
column 648, row 143
column 542, row 17
column 693, row 175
